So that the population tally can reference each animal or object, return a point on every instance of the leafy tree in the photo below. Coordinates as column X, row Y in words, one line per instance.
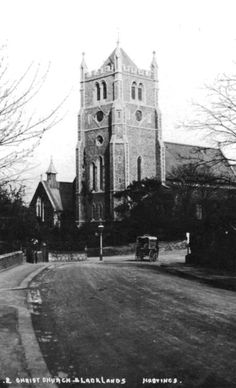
column 194, row 196
column 17, row 222
column 145, row 207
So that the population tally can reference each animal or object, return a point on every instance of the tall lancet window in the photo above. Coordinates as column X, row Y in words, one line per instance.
column 42, row 212
column 133, row 90
column 93, row 213
column 101, row 173
column 92, row 176
column 140, row 92
column 100, row 211
column 38, row 207
column 104, row 90
column 139, row 168
column 98, row 92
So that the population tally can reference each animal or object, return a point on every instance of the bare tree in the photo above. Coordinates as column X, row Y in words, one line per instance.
column 21, row 129
column 216, row 118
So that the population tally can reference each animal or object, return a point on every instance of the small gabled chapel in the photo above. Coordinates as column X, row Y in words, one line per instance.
column 53, row 201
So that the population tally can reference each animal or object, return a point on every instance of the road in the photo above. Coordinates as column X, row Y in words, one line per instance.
column 126, row 320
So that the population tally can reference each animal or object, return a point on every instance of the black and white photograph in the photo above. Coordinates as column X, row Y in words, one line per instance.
column 117, row 194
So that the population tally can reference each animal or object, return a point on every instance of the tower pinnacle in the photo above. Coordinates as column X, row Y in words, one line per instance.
column 118, row 38
column 154, row 66
column 83, row 64
column 154, row 62
column 51, row 169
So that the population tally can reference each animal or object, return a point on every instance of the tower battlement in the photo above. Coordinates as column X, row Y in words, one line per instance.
column 111, row 69
column 98, row 72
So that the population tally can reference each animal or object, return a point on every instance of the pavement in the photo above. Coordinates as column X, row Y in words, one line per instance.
column 20, row 355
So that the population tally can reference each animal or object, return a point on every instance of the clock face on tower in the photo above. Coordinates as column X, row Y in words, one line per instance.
column 138, row 115
column 99, row 116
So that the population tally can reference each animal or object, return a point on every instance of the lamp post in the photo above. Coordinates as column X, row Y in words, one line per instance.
column 188, row 242
column 100, row 230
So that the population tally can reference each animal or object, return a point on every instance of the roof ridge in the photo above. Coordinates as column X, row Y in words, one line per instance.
column 192, row 145
column 44, row 180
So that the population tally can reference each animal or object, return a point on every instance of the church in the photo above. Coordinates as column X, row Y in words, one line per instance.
column 119, row 140
column 119, row 133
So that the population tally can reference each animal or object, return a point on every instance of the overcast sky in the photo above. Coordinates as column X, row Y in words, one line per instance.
column 194, row 41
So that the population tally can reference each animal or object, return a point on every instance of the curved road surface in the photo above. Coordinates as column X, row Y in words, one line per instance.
column 126, row 320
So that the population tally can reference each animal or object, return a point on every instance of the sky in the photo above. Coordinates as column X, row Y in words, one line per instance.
column 194, row 42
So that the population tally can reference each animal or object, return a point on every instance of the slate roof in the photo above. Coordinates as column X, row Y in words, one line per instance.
column 54, row 195
column 61, row 197
column 124, row 58
column 179, row 154
column 67, row 191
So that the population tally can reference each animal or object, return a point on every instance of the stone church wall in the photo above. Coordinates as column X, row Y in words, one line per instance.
column 126, row 134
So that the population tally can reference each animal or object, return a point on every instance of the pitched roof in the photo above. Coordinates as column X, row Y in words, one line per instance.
column 181, row 154
column 61, row 197
column 54, row 196
column 125, row 59
column 66, row 191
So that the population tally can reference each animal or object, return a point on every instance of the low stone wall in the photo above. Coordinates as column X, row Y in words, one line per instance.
column 10, row 259
column 172, row 245
column 67, row 256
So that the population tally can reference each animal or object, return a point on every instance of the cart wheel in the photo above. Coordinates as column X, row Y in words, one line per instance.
column 152, row 256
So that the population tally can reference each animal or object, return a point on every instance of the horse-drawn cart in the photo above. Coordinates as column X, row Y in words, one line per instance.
column 146, row 247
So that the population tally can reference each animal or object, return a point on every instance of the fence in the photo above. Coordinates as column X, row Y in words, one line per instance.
column 67, row 256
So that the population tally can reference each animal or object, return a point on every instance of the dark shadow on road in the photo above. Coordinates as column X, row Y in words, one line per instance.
column 224, row 282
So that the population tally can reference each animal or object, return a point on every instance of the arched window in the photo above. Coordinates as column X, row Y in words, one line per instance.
column 98, row 94
column 92, row 176
column 38, row 207
column 199, row 211
column 139, row 168
column 93, row 211
column 140, row 92
column 133, row 90
column 42, row 212
column 100, row 211
column 101, row 173
column 104, row 89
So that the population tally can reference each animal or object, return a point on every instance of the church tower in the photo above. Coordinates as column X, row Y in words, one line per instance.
column 119, row 134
